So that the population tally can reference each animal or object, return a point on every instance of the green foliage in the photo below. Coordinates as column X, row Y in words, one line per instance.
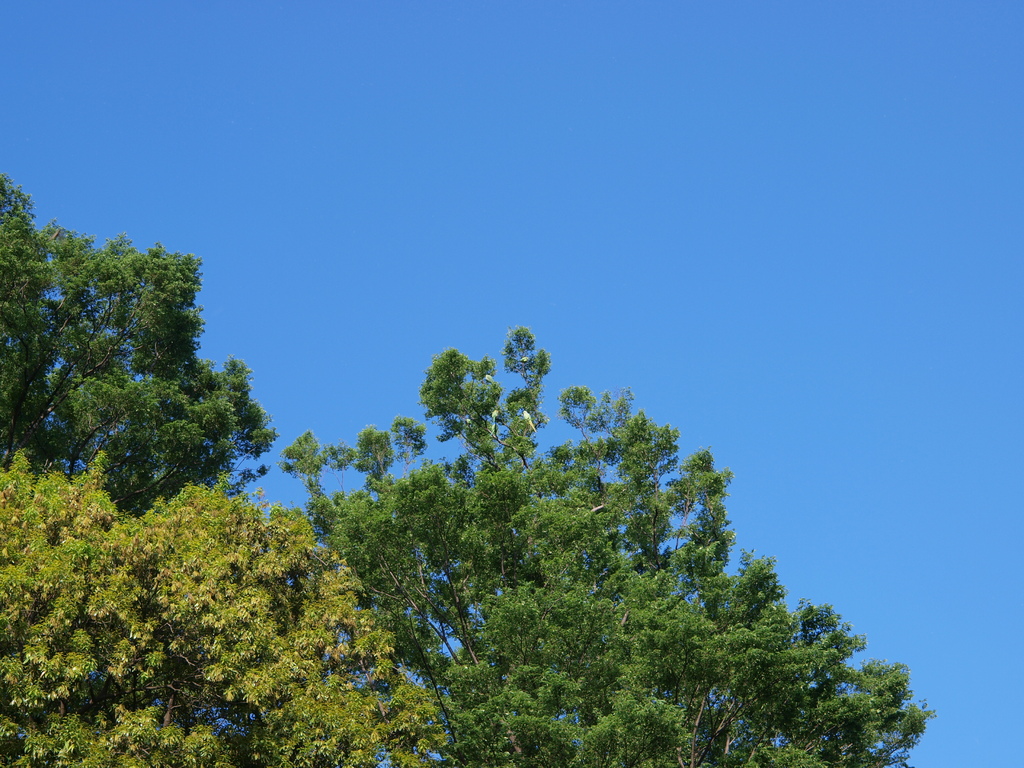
column 201, row 634
column 577, row 607
column 14, row 203
column 98, row 353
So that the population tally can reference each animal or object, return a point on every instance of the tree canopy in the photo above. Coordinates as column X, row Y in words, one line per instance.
column 98, row 352
column 515, row 603
column 580, row 605
column 204, row 633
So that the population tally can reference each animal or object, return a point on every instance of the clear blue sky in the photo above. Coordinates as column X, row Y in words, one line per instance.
column 794, row 229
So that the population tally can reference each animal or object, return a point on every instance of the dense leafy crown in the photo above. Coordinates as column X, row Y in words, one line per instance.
column 205, row 633
column 576, row 606
column 98, row 353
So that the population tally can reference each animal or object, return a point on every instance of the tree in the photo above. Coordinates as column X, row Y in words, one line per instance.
column 201, row 634
column 577, row 607
column 98, row 353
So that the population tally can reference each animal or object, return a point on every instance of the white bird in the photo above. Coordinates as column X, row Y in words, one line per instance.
column 529, row 421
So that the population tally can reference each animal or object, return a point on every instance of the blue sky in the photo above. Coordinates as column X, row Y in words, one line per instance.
column 793, row 229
